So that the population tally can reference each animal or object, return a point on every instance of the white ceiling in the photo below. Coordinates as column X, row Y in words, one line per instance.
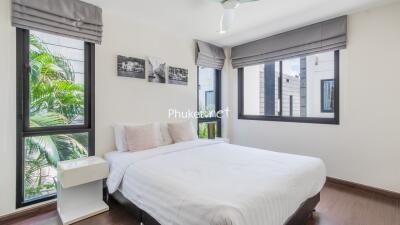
column 199, row 19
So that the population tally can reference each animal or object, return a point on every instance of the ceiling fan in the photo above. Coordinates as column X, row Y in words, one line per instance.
column 229, row 12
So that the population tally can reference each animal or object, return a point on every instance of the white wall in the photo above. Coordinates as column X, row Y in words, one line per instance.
column 7, row 110
column 365, row 147
column 118, row 99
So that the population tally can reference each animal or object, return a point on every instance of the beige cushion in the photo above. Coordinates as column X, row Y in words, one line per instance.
column 182, row 131
column 141, row 137
column 120, row 135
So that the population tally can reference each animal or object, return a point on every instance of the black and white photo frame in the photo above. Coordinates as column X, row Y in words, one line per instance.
column 177, row 76
column 157, row 67
column 131, row 67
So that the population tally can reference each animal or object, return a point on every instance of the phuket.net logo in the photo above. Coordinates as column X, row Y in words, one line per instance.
column 189, row 114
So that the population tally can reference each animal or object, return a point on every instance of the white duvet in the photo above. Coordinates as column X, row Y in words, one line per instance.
column 214, row 183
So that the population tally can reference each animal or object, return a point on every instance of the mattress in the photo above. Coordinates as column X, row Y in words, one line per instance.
column 213, row 183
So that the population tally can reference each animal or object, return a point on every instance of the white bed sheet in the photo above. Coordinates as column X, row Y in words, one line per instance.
column 213, row 183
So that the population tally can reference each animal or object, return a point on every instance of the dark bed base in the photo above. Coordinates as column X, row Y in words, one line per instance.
column 300, row 217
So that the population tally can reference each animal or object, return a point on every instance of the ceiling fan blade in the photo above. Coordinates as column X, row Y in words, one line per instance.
column 227, row 20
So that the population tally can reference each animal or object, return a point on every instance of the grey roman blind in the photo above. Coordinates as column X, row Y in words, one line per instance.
column 71, row 18
column 208, row 55
column 323, row 36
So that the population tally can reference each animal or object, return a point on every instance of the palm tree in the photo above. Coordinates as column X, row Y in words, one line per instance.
column 52, row 83
column 59, row 96
column 45, row 65
column 55, row 100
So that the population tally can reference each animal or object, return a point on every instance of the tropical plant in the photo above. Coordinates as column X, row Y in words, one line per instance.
column 203, row 130
column 55, row 100
column 209, row 112
column 45, row 65
column 59, row 96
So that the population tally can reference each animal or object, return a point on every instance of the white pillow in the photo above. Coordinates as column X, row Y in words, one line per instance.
column 182, row 131
column 166, row 137
column 120, row 138
column 163, row 135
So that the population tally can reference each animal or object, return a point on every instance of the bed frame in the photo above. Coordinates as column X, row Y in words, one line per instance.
column 300, row 217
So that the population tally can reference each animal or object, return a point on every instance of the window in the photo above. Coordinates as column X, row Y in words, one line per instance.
column 210, row 99
column 303, row 89
column 327, row 96
column 55, row 109
column 209, row 86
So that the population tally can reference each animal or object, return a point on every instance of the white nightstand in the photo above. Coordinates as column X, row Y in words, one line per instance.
column 80, row 188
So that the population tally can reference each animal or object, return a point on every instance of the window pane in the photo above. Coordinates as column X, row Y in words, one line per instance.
column 208, row 128
column 327, row 95
column 56, row 80
column 261, row 89
column 207, row 97
column 301, row 87
column 41, row 156
column 291, row 87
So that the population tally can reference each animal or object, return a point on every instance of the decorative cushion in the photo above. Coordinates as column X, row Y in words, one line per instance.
column 120, row 136
column 141, row 137
column 182, row 131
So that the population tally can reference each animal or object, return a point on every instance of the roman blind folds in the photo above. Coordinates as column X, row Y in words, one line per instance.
column 210, row 56
column 323, row 36
column 71, row 18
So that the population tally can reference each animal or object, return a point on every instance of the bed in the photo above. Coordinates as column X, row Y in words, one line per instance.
column 207, row 182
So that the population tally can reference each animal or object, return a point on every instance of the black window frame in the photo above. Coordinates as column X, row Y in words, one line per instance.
column 334, row 121
column 217, row 74
column 23, row 130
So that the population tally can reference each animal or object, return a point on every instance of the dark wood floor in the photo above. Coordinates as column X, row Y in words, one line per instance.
column 340, row 205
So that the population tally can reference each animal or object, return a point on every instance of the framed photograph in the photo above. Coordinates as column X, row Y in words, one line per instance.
column 327, row 95
column 177, row 76
column 156, row 70
column 131, row 67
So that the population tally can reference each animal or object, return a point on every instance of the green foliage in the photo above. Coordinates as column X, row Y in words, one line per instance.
column 59, row 147
column 203, row 130
column 203, row 127
column 55, row 100
column 60, row 96
column 46, row 66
